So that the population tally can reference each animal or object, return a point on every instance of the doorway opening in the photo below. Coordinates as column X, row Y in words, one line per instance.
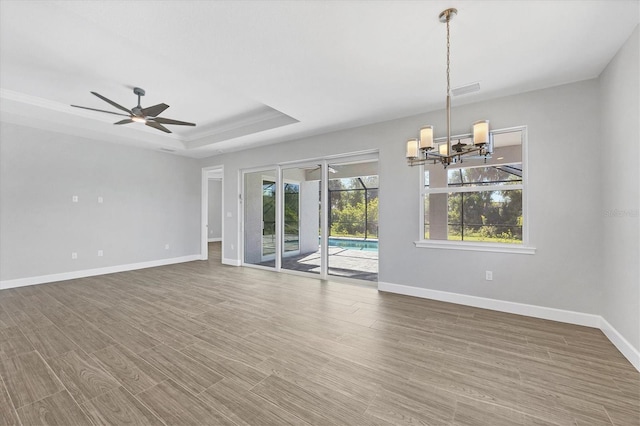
column 212, row 221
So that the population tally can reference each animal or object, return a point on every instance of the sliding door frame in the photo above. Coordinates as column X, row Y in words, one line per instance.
column 324, row 204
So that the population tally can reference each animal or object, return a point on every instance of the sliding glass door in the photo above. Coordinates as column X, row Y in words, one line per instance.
column 259, row 198
column 319, row 218
column 301, row 215
column 353, row 220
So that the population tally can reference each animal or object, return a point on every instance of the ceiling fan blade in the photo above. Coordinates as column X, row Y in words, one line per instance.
column 157, row 126
column 112, row 103
column 154, row 111
column 125, row 121
column 100, row 110
column 170, row 121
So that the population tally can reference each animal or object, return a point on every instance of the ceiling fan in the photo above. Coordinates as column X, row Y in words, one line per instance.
column 148, row 116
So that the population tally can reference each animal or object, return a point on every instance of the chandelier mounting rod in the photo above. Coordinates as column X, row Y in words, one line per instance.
column 446, row 17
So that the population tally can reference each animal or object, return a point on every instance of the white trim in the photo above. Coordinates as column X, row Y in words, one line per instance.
column 204, row 215
column 42, row 279
column 214, row 240
column 578, row 318
column 324, row 220
column 630, row 353
column 258, row 266
column 525, row 190
column 279, row 216
column 571, row 317
column 204, row 210
column 232, row 262
column 489, row 247
column 354, row 156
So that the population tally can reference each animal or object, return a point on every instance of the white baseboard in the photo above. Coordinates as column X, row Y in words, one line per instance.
column 623, row 345
column 232, row 262
column 553, row 314
column 41, row 279
column 560, row 315
column 214, row 240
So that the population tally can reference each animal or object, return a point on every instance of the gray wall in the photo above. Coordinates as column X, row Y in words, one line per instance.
column 564, row 215
column 150, row 199
column 619, row 216
column 215, row 209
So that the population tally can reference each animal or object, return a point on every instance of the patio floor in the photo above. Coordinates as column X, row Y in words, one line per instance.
column 357, row 264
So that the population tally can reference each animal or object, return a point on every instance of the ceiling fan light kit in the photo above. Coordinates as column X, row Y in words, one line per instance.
column 422, row 150
column 137, row 114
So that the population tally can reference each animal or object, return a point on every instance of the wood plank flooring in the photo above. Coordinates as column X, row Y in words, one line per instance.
column 201, row 343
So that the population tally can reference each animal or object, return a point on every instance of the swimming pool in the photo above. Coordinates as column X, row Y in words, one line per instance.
column 354, row 243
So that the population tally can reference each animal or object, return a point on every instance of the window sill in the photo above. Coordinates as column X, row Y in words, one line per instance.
column 489, row 247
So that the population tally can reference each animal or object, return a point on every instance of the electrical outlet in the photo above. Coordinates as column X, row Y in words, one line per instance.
column 100, row 200
column 488, row 275
column 74, row 255
column 74, row 199
column 166, row 246
column 100, row 253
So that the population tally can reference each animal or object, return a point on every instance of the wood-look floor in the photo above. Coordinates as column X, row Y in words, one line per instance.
column 201, row 343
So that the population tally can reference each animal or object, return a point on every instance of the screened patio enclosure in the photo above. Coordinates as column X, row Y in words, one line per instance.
column 353, row 207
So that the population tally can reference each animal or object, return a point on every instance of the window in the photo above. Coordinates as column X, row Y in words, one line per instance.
column 478, row 200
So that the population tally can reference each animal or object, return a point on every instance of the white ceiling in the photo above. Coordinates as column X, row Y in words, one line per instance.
column 295, row 68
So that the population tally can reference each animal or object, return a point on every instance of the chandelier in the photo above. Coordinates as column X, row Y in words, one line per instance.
column 422, row 149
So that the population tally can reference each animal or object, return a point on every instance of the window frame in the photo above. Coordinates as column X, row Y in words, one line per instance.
column 522, row 248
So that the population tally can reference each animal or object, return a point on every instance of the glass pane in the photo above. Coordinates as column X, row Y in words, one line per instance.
column 301, row 239
column 370, row 182
column 291, row 217
column 488, row 216
column 508, row 174
column 455, row 217
column 353, row 221
column 259, row 218
column 426, row 217
column 454, row 177
column 268, row 217
column 344, row 184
